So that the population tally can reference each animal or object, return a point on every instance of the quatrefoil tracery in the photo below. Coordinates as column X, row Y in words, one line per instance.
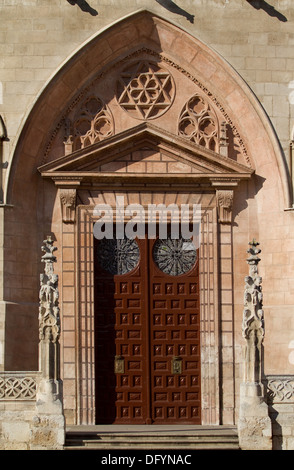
column 145, row 90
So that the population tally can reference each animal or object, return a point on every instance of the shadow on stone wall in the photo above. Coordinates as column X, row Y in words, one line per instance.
column 84, row 6
column 171, row 6
column 269, row 9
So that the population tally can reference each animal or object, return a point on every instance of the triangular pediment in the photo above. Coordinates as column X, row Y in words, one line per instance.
column 145, row 152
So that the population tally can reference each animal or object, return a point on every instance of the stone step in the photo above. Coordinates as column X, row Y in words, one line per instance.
column 151, row 437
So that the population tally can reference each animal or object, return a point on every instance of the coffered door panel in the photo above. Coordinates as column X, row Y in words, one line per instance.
column 174, row 332
column 122, row 349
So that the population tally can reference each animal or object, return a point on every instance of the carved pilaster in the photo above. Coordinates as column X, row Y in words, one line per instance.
column 68, row 204
column 255, row 430
column 224, row 199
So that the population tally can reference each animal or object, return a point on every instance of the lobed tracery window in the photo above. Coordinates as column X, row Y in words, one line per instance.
column 93, row 123
column 199, row 123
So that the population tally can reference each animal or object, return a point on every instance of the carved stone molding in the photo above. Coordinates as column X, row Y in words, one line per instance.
column 224, row 141
column 224, row 200
column 68, row 204
column 92, row 123
column 157, row 57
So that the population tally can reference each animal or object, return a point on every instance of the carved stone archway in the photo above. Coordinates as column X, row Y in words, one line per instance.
column 206, row 136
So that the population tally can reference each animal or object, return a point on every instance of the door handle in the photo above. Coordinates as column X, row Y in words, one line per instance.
column 177, row 365
column 119, row 365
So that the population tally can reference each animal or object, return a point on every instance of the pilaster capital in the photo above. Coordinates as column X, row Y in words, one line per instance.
column 224, row 200
column 68, row 204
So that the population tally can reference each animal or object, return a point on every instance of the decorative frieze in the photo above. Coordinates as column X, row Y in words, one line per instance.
column 279, row 388
column 18, row 385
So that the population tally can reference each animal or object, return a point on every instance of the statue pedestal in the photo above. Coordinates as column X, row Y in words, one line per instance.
column 254, row 426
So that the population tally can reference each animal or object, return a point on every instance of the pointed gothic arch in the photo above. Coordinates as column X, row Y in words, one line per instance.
column 88, row 116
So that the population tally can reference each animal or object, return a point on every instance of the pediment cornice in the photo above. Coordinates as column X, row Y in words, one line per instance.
column 82, row 166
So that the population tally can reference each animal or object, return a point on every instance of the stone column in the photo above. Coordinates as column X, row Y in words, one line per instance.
column 49, row 425
column 255, row 432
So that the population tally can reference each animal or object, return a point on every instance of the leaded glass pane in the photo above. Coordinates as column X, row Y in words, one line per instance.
column 174, row 257
column 118, row 256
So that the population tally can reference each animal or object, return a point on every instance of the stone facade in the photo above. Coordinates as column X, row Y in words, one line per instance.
column 220, row 132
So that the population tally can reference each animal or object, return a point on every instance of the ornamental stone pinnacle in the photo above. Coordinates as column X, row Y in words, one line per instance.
column 48, row 258
column 253, row 318
column 49, row 397
column 49, row 324
column 254, row 426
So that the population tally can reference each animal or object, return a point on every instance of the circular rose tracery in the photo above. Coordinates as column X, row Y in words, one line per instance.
column 118, row 256
column 145, row 90
column 174, row 256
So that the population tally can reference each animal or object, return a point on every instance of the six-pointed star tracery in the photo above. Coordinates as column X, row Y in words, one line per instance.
column 145, row 90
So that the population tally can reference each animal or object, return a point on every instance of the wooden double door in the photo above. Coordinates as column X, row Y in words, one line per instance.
column 147, row 332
